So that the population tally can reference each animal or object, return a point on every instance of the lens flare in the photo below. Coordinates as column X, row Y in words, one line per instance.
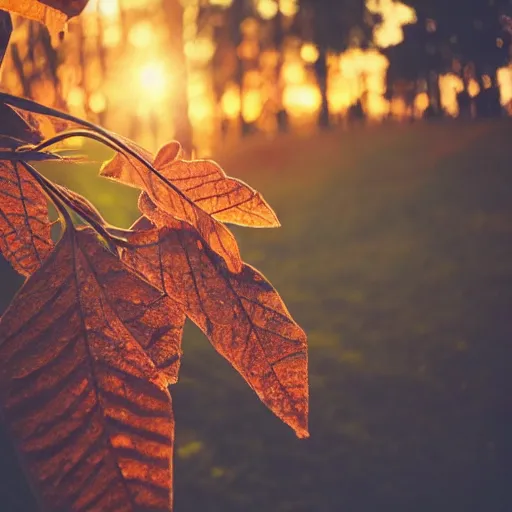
column 154, row 81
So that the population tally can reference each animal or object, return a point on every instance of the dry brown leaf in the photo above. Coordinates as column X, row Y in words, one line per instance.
column 89, row 410
column 129, row 170
column 204, row 182
column 242, row 314
column 53, row 13
column 168, row 153
column 43, row 126
column 25, row 239
column 226, row 199
column 14, row 129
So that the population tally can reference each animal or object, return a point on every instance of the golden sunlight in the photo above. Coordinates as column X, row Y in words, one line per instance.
column 142, row 35
column 302, row 99
column 106, row 8
column 394, row 15
column 267, row 9
column 366, row 69
column 154, row 81
column 504, row 77
column 449, row 86
column 473, row 88
column 230, row 102
column 309, row 53
column 221, row 3
column 289, row 7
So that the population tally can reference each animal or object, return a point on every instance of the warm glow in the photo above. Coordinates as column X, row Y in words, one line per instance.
column 250, row 27
column 221, row 3
column 248, row 49
column 98, row 102
column 252, row 105
column 267, row 9
column 421, row 103
column 473, row 88
column 398, row 108
column 294, row 73
column 139, row 4
column 302, row 99
column 504, row 77
column 153, row 80
column 376, row 107
column 105, row 8
column 394, row 15
column 342, row 94
column 112, row 36
column 289, row 7
column 76, row 98
column 230, row 102
column 200, row 109
column 309, row 53
column 197, row 86
column 142, row 34
column 269, row 59
column 200, row 50
column 356, row 62
column 252, row 79
column 449, row 86
column 366, row 71
column 486, row 81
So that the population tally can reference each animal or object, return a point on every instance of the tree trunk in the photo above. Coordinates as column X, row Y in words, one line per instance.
column 279, row 36
column 5, row 33
column 321, row 75
column 183, row 129
column 238, row 12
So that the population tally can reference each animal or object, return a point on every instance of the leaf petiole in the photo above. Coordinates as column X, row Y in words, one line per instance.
column 61, row 201
column 92, row 131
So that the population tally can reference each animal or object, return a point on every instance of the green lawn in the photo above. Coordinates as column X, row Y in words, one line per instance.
column 395, row 255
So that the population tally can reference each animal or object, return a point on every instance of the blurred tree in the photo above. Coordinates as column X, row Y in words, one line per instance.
column 32, row 64
column 183, row 129
column 461, row 36
column 333, row 25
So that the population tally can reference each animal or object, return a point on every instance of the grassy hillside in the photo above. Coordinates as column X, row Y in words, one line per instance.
column 395, row 255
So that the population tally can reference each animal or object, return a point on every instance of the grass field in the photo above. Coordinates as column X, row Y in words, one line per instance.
column 395, row 255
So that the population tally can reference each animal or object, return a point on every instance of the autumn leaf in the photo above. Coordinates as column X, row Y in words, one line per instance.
column 87, row 406
column 126, row 170
column 69, row 7
column 205, row 183
column 53, row 13
column 164, row 193
column 5, row 33
column 242, row 314
column 226, row 199
column 14, row 129
column 171, row 200
column 168, row 153
column 25, row 239
column 42, row 126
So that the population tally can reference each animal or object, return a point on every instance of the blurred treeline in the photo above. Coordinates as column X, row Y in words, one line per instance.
column 207, row 71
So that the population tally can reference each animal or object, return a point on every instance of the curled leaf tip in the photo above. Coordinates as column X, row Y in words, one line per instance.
column 302, row 433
